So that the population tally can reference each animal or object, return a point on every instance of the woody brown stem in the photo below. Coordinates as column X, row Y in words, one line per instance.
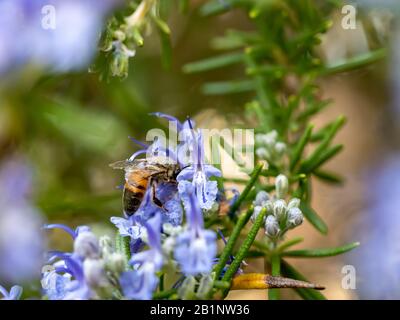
column 264, row 281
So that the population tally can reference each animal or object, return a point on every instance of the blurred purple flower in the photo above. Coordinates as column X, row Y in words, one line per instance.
column 21, row 243
column 60, row 34
column 75, row 275
column 142, row 282
column 378, row 259
column 196, row 247
column 14, row 294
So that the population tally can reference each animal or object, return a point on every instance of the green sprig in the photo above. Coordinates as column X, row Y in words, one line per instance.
column 320, row 253
column 226, row 253
column 244, row 248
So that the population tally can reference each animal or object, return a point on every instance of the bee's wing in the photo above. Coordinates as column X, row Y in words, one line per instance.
column 120, row 164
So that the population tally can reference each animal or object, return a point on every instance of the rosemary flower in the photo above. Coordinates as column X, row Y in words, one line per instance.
column 141, row 282
column 195, row 247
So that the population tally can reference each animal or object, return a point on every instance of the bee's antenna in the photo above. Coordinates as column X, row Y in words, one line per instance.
column 133, row 157
column 142, row 144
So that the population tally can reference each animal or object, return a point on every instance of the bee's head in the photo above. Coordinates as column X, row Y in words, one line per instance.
column 173, row 171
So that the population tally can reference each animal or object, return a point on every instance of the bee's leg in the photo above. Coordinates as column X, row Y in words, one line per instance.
column 155, row 199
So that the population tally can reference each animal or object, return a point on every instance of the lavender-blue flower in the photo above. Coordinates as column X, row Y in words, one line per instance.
column 141, row 282
column 195, row 247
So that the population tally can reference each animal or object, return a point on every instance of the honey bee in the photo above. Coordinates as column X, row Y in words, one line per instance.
column 141, row 174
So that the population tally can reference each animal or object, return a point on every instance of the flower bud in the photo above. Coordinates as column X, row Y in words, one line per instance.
column 106, row 245
column 270, row 138
column 119, row 65
column 168, row 228
column 187, row 289
column 119, row 35
column 168, row 245
column 144, row 235
column 295, row 218
column 115, row 263
column 260, row 139
column 205, row 286
column 271, row 227
column 214, row 208
column 281, row 186
column 86, row 245
column 269, row 206
column 261, row 197
column 120, row 60
column 294, row 203
column 280, row 210
column 93, row 270
column 262, row 153
column 256, row 212
column 280, row 148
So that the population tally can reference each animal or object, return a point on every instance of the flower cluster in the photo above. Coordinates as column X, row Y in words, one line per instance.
column 192, row 247
column 281, row 216
column 269, row 148
column 156, row 234
column 122, row 38
column 89, row 272
column 125, row 33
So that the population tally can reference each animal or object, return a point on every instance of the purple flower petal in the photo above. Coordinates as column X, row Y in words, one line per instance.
column 67, row 229
column 186, row 174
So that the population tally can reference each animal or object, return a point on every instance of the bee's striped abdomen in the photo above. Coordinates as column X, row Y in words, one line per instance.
column 131, row 201
column 134, row 190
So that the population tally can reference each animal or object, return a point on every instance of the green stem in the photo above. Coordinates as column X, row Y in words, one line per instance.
column 164, row 294
column 222, row 285
column 235, row 265
column 243, row 219
column 256, row 173
column 210, row 222
column 289, row 243
column 273, row 294
column 323, row 146
column 122, row 245
column 262, row 246
column 299, row 148
column 321, row 253
column 356, row 62
column 161, row 285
